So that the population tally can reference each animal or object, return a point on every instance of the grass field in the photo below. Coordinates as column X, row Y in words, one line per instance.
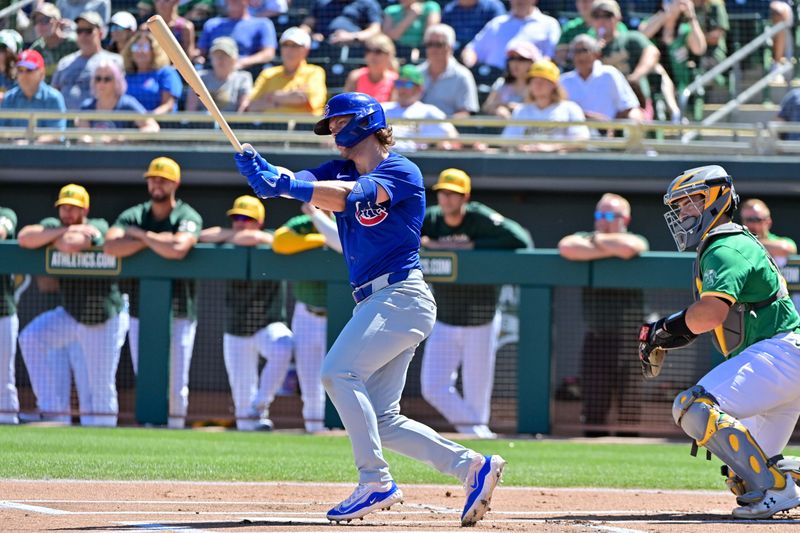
column 155, row 454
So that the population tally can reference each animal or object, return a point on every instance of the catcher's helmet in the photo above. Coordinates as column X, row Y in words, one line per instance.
column 710, row 190
column 368, row 117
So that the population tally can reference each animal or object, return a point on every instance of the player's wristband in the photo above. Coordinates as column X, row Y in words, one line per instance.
column 675, row 324
column 301, row 190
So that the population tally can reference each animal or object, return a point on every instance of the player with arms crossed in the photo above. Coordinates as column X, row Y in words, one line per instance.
column 743, row 410
column 378, row 198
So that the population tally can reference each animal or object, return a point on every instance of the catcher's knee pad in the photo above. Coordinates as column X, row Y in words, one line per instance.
column 698, row 414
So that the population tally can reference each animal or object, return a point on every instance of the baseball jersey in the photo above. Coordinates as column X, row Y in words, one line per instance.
column 88, row 300
column 252, row 305
column 382, row 238
column 182, row 218
column 314, row 293
column 8, row 221
column 736, row 268
column 472, row 305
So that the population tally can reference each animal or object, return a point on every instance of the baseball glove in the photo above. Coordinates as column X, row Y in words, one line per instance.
column 651, row 356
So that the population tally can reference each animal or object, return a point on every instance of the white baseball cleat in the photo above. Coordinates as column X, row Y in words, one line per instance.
column 774, row 501
column 366, row 498
column 483, row 477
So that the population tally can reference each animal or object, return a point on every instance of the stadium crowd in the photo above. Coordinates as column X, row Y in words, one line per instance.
column 595, row 60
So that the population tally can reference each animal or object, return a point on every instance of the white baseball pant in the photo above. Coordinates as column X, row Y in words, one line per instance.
column 310, row 345
column 253, row 396
column 9, row 401
column 180, row 357
column 53, row 343
column 759, row 388
column 364, row 374
column 473, row 348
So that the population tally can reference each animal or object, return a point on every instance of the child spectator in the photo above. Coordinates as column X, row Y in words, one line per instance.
column 510, row 90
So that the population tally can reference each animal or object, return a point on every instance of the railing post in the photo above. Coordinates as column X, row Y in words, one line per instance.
column 533, row 359
column 155, row 331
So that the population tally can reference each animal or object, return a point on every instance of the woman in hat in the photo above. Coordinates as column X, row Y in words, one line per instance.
column 378, row 77
column 546, row 101
column 510, row 90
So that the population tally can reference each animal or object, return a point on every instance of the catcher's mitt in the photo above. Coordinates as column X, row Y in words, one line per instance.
column 651, row 357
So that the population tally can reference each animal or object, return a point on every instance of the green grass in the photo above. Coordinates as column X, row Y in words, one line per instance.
column 151, row 454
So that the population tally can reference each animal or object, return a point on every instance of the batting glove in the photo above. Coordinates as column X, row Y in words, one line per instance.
column 268, row 184
column 250, row 162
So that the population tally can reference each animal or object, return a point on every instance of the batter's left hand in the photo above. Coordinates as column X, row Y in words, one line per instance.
column 250, row 161
column 269, row 184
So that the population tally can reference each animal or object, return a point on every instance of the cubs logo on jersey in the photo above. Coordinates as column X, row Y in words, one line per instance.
column 370, row 215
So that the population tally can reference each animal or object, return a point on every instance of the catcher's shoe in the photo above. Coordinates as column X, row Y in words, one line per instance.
column 774, row 501
column 367, row 497
column 484, row 475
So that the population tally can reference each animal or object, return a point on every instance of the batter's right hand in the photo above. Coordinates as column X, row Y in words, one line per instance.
column 250, row 162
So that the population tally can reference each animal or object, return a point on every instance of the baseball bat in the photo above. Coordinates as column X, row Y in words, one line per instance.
column 175, row 52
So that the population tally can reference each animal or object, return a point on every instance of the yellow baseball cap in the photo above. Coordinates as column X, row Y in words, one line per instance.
column 249, row 206
column 73, row 195
column 544, row 68
column 164, row 167
column 453, row 179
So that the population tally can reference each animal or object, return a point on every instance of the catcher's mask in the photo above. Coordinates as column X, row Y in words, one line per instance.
column 711, row 194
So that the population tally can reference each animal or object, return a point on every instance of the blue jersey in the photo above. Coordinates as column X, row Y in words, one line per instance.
column 382, row 238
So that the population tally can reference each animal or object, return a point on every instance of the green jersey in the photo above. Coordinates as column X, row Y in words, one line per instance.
column 624, row 52
column 53, row 55
column 88, row 300
column 472, row 305
column 313, row 293
column 8, row 221
column 578, row 26
column 737, row 269
column 253, row 305
column 181, row 219
column 711, row 16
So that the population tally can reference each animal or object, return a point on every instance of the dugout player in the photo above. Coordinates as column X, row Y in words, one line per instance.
column 745, row 409
column 86, row 332
column 468, row 319
column 9, row 327
column 314, row 229
column 170, row 228
column 255, row 323
column 609, row 314
column 378, row 198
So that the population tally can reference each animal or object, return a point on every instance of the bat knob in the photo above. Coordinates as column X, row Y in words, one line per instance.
column 248, row 150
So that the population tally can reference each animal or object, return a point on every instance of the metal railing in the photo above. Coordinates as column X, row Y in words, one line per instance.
column 287, row 130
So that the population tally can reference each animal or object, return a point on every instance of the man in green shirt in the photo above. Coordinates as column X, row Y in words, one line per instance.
column 9, row 327
column 255, row 323
column 51, row 40
column 758, row 219
column 468, row 320
column 578, row 26
column 745, row 409
column 609, row 314
column 170, row 228
column 314, row 229
column 86, row 332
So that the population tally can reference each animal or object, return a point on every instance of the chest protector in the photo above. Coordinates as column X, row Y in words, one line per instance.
column 729, row 335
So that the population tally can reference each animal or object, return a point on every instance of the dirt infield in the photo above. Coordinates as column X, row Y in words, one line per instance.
column 294, row 507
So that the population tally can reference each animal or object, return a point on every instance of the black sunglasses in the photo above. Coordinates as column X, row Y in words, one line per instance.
column 103, row 79
column 435, row 45
column 241, row 218
column 754, row 220
column 84, row 31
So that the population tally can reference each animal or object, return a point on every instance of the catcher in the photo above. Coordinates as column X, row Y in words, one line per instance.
column 744, row 410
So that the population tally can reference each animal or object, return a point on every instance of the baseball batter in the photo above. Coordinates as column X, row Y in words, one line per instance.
column 255, row 323
column 170, row 228
column 85, row 334
column 9, row 327
column 314, row 229
column 468, row 321
column 378, row 198
column 743, row 410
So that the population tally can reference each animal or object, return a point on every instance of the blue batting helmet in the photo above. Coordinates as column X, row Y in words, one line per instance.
column 368, row 117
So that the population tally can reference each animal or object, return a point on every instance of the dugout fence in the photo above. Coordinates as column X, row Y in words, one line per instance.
column 566, row 360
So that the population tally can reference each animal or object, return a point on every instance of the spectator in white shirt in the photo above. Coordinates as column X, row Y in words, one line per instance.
column 546, row 101
column 600, row 90
column 524, row 22
column 407, row 105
